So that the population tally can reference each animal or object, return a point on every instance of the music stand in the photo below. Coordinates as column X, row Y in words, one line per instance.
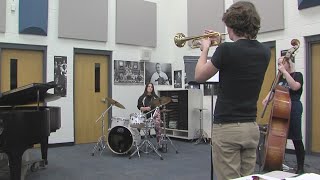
column 101, row 144
column 202, row 134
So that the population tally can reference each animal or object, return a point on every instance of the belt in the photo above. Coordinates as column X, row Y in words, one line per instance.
column 230, row 122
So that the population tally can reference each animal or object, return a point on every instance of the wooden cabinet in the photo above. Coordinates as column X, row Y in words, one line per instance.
column 183, row 119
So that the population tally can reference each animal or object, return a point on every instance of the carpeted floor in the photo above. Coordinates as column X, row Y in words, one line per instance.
column 191, row 163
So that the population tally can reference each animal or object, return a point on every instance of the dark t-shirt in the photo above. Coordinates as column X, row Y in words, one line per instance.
column 145, row 101
column 294, row 95
column 242, row 66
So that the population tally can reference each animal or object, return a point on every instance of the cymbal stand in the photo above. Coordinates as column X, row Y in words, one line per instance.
column 152, row 110
column 202, row 134
column 146, row 143
column 101, row 144
column 164, row 137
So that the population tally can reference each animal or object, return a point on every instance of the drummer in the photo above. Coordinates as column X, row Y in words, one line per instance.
column 144, row 105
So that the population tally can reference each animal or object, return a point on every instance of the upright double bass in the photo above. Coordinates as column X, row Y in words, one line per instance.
column 278, row 126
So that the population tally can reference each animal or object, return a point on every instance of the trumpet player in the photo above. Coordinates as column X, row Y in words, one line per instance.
column 242, row 65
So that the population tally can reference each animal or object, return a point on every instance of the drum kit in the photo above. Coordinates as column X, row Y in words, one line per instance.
column 124, row 134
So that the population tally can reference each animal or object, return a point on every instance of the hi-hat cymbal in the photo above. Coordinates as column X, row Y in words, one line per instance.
column 166, row 110
column 113, row 102
column 161, row 101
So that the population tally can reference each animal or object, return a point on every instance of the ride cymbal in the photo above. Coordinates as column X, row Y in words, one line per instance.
column 113, row 102
column 161, row 101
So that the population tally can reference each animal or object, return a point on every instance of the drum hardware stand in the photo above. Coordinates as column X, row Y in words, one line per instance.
column 137, row 149
column 165, row 137
column 101, row 144
column 202, row 134
column 147, row 143
column 148, row 132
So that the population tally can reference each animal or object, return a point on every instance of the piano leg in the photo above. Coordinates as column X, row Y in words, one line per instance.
column 15, row 161
column 44, row 149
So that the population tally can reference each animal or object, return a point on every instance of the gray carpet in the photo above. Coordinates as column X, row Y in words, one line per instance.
column 191, row 163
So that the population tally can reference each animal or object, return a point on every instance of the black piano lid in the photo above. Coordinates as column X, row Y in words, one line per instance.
column 27, row 94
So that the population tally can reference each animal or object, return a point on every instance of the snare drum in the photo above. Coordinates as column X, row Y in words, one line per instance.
column 122, row 139
column 149, row 123
column 119, row 121
column 137, row 120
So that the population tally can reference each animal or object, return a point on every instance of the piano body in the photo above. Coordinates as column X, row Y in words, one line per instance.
column 23, row 126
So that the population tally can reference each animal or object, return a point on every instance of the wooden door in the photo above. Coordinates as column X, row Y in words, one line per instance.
column 91, row 85
column 20, row 67
column 267, row 83
column 315, row 86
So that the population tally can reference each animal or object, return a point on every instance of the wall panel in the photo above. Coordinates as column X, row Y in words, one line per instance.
column 205, row 14
column 271, row 13
column 3, row 15
column 82, row 19
column 33, row 17
column 136, row 23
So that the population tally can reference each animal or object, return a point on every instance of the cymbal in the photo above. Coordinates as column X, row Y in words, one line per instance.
column 166, row 110
column 161, row 101
column 113, row 102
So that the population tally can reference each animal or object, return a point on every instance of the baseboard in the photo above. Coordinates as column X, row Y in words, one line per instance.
column 61, row 144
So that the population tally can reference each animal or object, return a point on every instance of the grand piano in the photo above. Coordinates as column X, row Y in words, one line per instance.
column 23, row 126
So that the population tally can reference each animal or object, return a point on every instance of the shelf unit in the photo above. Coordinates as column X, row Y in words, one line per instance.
column 184, row 112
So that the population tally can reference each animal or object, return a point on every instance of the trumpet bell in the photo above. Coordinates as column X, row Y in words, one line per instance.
column 295, row 42
column 179, row 39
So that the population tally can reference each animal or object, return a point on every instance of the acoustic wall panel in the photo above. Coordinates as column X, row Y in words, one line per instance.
column 136, row 23
column 3, row 15
column 205, row 14
column 271, row 13
column 83, row 19
column 33, row 17
column 303, row 4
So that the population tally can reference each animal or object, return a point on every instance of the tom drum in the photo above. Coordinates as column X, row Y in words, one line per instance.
column 137, row 120
column 119, row 121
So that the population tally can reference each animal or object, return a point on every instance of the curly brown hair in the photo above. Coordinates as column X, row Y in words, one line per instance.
column 243, row 18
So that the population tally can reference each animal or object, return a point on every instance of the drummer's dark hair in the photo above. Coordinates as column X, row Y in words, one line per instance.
column 146, row 92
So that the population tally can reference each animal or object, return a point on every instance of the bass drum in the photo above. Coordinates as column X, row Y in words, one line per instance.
column 122, row 139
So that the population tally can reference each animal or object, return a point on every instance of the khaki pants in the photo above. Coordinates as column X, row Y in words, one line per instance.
column 234, row 149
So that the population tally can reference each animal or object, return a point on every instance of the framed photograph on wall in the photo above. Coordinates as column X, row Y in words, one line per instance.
column 158, row 74
column 60, row 75
column 177, row 79
column 128, row 72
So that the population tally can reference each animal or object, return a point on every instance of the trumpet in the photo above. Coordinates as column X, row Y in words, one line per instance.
column 180, row 39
